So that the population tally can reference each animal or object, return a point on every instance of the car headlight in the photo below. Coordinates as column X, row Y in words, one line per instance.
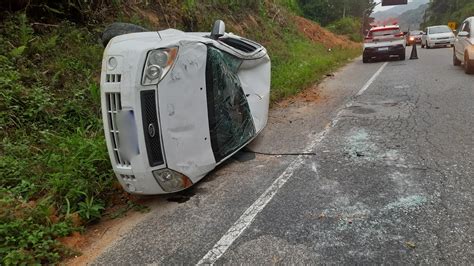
column 158, row 63
column 171, row 181
column 412, row 38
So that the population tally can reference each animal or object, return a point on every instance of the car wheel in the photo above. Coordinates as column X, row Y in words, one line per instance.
column 402, row 56
column 456, row 61
column 468, row 64
column 118, row 28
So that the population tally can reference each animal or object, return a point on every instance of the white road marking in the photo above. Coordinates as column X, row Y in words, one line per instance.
column 372, row 79
column 249, row 215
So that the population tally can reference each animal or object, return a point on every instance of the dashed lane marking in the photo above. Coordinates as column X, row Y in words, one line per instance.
column 372, row 79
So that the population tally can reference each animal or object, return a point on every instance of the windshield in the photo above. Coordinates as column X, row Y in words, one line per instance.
column 417, row 32
column 387, row 32
column 441, row 29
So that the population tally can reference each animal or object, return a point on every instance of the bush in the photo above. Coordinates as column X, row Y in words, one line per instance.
column 349, row 26
column 53, row 150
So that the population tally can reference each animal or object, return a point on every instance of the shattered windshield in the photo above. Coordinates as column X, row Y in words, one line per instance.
column 231, row 124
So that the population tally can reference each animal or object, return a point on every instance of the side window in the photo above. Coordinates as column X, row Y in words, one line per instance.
column 461, row 27
column 230, row 121
column 465, row 27
column 241, row 45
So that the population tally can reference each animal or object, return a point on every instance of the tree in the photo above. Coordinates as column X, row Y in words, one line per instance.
column 328, row 11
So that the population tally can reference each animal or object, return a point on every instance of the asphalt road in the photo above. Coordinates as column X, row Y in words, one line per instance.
column 391, row 181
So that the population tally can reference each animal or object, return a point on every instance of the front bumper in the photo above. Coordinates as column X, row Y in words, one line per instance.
column 442, row 42
column 384, row 52
column 151, row 129
column 417, row 41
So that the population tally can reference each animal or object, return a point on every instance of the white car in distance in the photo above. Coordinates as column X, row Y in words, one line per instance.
column 463, row 51
column 440, row 35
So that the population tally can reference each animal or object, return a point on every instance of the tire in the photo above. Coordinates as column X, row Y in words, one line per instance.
column 456, row 61
column 402, row 57
column 468, row 64
column 117, row 29
column 365, row 59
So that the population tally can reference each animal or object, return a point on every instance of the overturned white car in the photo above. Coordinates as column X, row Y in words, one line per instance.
column 175, row 105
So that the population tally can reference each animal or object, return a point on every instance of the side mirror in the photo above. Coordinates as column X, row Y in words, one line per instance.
column 463, row 34
column 218, row 30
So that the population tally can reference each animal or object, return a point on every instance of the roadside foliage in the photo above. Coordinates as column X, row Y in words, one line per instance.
column 440, row 12
column 56, row 177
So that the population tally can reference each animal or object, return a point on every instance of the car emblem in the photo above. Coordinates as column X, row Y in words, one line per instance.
column 151, row 130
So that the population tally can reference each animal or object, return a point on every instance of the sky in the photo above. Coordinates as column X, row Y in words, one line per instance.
column 383, row 8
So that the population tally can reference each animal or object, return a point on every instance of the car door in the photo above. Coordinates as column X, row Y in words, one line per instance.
column 457, row 42
column 463, row 42
column 423, row 37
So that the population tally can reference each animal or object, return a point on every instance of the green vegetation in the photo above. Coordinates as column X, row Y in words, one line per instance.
column 54, row 161
column 349, row 26
column 344, row 17
column 327, row 12
column 444, row 11
column 306, row 64
column 56, row 176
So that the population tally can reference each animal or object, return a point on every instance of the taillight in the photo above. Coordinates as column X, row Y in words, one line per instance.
column 368, row 39
column 400, row 35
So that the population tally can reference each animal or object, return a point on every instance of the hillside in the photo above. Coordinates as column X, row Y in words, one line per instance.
column 444, row 11
column 412, row 19
column 396, row 11
column 56, row 177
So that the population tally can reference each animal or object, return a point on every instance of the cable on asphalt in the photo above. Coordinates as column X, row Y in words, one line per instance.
column 281, row 154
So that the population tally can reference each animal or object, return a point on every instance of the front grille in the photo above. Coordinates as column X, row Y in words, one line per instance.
column 114, row 105
column 128, row 178
column 150, row 128
column 113, row 78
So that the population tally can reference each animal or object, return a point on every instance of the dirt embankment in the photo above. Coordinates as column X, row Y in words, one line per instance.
column 318, row 34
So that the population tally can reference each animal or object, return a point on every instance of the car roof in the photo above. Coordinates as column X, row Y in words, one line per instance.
column 438, row 26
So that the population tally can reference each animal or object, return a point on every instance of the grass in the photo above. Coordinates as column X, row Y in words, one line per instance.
column 306, row 64
column 56, row 176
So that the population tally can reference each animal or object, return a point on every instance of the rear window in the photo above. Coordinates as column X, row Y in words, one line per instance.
column 440, row 29
column 387, row 32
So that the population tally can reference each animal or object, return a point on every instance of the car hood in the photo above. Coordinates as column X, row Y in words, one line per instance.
column 442, row 35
